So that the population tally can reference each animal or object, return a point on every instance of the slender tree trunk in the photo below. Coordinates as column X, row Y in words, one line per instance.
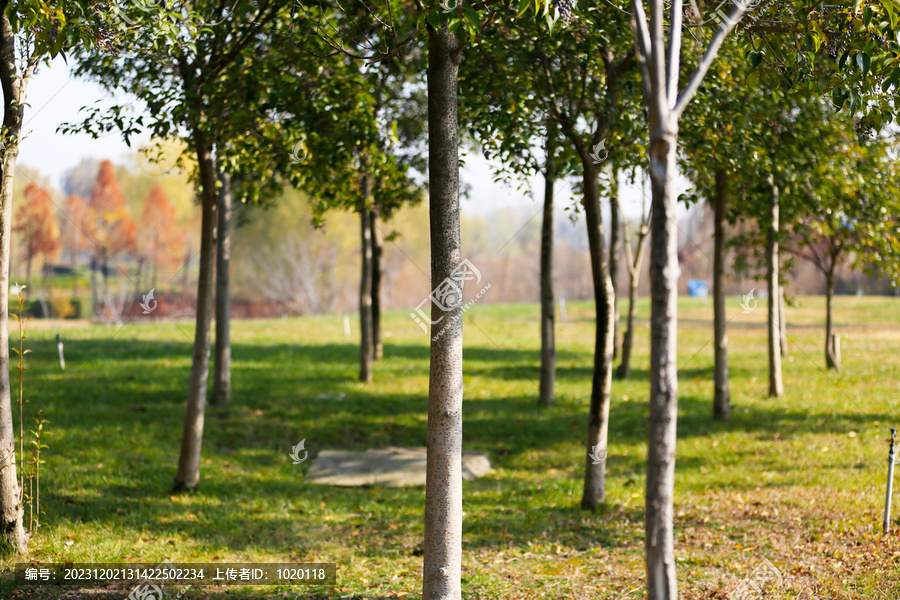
column 782, row 319
column 442, row 563
column 776, row 386
column 601, row 385
column 28, row 260
column 13, row 539
column 222, row 373
column 188, row 475
column 139, row 276
column 662, row 583
column 377, row 253
column 830, row 357
column 74, row 272
column 365, row 287
column 615, row 251
column 95, row 296
column 634, row 275
column 722, row 399
column 186, row 274
column 548, row 315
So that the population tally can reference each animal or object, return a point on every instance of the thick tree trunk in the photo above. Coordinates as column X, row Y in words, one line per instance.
column 601, row 385
column 664, row 272
column 831, row 360
column 222, row 373
column 615, row 251
column 548, row 315
column 442, row 563
column 782, row 320
column 377, row 238
column 722, row 399
column 776, row 386
column 365, row 286
column 188, row 475
column 13, row 539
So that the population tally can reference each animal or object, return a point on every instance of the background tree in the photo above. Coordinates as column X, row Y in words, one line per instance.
column 38, row 228
column 112, row 229
column 159, row 237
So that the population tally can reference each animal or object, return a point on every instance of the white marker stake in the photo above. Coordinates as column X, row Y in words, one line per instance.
column 562, row 309
column 347, row 324
column 890, row 485
column 62, row 359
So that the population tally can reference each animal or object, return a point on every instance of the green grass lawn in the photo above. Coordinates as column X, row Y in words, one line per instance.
column 798, row 481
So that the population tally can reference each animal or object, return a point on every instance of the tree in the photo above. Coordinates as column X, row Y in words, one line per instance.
column 38, row 227
column 112, row 228
column 548, row 332
column 159, row 235
column 76, row 226
column 634, row 259
column 35, row 31
column 660, row 69
column 183, row 69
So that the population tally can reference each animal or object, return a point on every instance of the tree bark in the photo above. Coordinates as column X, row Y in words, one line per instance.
column 442, row 563
column 188, row 475
column 664, row 272
column 782, row 320
column 634, row 274
column 222, row 374
column 831, row 360
column 548, row 314
column 13, row 539
column 365, row 286
column 722, row 399
column 615, row 251
column 594, row 492
column 776, row 386
column 377, row 238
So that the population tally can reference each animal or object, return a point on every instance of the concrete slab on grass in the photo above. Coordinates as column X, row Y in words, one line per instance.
column 394, row 467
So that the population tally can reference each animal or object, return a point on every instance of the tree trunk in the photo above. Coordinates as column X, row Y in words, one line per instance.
column 615, row 250
column 776, row 386
column 830, row 358
column 442, row 562
column 95, row 296
column 12, row 532
column 377, row 238
column 601, row 385
column 782, row 320
column 548, row 341
column 722, row 399
column 634, row 278
column 189, row 461
column 28, row 260
column 664, row 271
column 365, row 286
column 222, row 373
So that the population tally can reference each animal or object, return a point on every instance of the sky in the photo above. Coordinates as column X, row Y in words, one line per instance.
column 55, row 97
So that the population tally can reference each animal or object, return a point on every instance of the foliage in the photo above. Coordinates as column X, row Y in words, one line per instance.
column 37, row 225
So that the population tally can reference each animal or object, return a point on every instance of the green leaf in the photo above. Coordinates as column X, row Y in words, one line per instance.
column 472, row 16
column 433, row 19
column 867, row 16
column 523, row 7
column 755, row 59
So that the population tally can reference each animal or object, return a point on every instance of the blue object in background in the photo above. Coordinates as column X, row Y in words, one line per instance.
column 697, row 288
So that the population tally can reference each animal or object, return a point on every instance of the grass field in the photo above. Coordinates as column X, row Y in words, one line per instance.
column 797, row 481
